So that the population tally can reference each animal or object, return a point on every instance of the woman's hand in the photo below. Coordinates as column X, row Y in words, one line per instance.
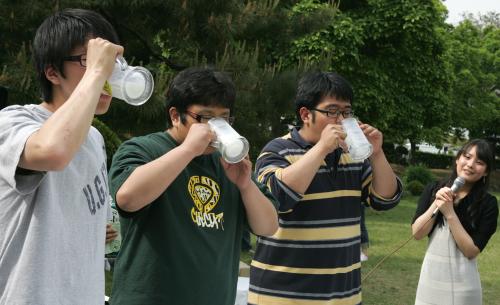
column 444, row 201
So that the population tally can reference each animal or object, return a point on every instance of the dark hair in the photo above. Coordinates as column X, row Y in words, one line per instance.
column 479, row 190
column 199, row 86
column 314, row 86
column 60, row 34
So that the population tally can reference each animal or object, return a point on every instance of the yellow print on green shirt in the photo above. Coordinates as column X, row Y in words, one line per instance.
column 205, row 193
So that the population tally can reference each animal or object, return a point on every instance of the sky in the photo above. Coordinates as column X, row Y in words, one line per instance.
column 457, row 7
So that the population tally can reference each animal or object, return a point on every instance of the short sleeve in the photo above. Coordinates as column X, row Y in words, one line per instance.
column 487, row 223
column 17, row 124
column 371, row 198
column 127, row 158
column 424, row 202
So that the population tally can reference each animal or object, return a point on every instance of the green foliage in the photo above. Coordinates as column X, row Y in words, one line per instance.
column 414, row 77
column 307, row 7
column 474, row 55
column 18, row 76
column 489, row 19
column 111, row 140
column 395, row 154
column 432, row 160
column 415, row 187
column 418, row 173
column 393, row 54
column 401, row 150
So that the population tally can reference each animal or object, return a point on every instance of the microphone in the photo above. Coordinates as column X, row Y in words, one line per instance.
column 457, row 184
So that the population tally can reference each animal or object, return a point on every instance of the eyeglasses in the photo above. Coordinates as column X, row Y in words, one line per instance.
column 82, row 59
column 335, row 113
column 205, row 118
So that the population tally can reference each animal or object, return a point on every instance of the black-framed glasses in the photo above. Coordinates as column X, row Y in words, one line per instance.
column 200, row 118
column 82, row 59
column 335, row 113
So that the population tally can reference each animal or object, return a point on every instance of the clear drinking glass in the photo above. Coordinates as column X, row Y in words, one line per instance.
column 232, row 146
column 357, row 144
column 133, row 85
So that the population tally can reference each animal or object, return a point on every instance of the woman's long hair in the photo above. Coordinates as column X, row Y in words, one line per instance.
column 480, row 187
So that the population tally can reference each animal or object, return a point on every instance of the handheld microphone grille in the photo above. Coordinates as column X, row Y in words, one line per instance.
column 457, row 184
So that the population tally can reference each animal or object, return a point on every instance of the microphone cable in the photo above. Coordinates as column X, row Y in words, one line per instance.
column 412, row 236
column 457, row 184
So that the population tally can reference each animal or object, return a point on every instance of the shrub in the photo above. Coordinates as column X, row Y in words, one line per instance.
column 415, row 187
column 418, row 173
column 395, row 154
column 432, row 160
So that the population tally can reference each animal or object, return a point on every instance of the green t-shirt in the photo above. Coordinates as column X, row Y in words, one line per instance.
column 183, row 248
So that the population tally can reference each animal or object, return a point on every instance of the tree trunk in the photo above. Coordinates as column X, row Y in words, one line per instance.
column 413, row 149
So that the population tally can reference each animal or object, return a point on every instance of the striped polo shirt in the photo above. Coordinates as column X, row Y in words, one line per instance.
column 314, row 257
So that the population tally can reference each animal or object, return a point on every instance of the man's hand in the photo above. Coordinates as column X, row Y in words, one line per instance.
column 374, row 136
column 239, row 173
column 111, row 233
column 101, row 56
column 198, row 138
column 332, row 137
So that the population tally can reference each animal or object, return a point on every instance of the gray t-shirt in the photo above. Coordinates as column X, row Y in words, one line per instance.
column 52, row 224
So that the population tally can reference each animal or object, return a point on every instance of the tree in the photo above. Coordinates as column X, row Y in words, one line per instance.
column 405, row 64
column 238, row 37
column 393, row 52
column 474, row 55
column 484, row 20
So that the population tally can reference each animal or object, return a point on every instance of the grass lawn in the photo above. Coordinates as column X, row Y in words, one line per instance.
column 395, row 281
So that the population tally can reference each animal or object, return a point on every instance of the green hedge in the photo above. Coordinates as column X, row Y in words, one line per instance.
column 395, row 154
column 432, row 160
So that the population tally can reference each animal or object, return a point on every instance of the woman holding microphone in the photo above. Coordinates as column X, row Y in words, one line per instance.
column 459, row 220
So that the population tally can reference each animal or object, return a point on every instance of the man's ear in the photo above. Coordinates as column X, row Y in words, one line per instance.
column 53, row 75
column 175, row 116
column 304, row 114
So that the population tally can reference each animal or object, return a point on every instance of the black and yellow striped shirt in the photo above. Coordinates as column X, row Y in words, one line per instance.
column 314, row 257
